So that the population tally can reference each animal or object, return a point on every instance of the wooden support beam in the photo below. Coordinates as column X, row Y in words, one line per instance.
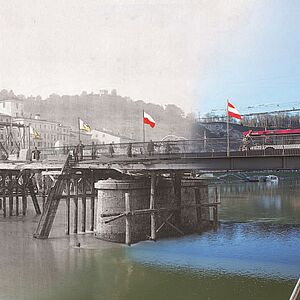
column 24, row 197
column 127, row 220
column 75, row 206
column 68, row 206
column 165, row 222
column 33, row 197
column 4, row 207
column 152, row 206
column 17, row 199
column 215, row 215
column 114, row 218
column 92, row 202
column 46, row 221
column 198, row 208
column 10, row 197
column 177, row 192
column 44, row 190
column 83, row 208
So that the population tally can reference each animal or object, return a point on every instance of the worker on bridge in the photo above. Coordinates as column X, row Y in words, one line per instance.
column 150, row 148
column 36, row 154
column 80, row 147
column 111, row 150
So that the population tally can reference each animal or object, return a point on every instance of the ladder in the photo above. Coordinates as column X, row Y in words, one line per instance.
column 51, row 205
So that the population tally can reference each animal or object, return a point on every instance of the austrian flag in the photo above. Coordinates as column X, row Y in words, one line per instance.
column 233, row 112
column 148, row 120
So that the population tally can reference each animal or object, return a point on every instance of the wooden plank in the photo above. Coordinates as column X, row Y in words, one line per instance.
column 75, row 206
column 47, row 218
column 17, row 199
column 152, row 206
column 127, row 220
column 68, row 207
column 93, row 202
column 24, row 197
column 43, row 190
column 165, row 222
column 4, row 207
column 10, row 197
column 177, row 192
column 198, row 208
column 114, row 218
column 33, row 197
column 83, row 208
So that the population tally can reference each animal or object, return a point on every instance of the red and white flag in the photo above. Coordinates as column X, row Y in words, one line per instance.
column 148, row 120
column 232, row 111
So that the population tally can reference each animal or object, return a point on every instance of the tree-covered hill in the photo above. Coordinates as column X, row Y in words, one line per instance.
column 112, row 112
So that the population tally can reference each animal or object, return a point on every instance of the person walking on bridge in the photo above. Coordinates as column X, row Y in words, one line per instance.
column 94, row 151
column 80, row 147
column 75, row 153
column 111, row 150
column 36, row 154
column 150, row 148
column 129, row 150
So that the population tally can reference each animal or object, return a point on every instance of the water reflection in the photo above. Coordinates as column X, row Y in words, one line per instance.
column 259, row 250
column 261, row 202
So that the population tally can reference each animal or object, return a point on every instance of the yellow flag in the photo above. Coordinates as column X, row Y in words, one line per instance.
column 35, row 134
column 84, row 126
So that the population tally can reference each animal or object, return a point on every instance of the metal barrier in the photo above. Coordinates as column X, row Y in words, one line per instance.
column 296, row 291
column 210, row 147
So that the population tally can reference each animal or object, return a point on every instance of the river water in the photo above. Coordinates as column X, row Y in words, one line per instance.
column 254, row 254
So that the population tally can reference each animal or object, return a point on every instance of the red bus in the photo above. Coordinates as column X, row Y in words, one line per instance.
column 271, row 139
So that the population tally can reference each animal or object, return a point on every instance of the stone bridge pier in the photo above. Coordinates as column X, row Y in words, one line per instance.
column 152, row 207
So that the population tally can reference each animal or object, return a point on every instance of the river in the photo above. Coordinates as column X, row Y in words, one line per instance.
column 254, row 254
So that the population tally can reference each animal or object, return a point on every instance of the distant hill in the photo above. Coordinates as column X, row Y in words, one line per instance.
column 112, row 112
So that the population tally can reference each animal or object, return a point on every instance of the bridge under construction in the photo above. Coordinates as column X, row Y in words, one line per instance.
column 147, row 192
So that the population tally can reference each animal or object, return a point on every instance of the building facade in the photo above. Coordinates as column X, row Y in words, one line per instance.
column 45, row 134
column 13, row 107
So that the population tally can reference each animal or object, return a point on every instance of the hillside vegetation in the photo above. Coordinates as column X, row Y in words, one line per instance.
column 114, row 113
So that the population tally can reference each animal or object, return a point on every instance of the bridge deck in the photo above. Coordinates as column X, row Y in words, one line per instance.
column 185, row 161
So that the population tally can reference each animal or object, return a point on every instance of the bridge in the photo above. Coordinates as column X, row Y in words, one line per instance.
column 62, row 174
column 184, row 155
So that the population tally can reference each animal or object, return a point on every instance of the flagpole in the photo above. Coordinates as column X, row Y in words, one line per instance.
column 144, row 137
column 79, row 129
column 228, row 141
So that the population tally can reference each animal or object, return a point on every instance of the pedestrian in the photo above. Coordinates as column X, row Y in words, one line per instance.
column 94, row 151
column 75, row 154
column 168, row 148
column 36, row 154
column 111, row 150
column 129, row 150
column 80, row 147
column 150, row 148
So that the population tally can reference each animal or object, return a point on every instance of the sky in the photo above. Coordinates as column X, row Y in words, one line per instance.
column 195, row 54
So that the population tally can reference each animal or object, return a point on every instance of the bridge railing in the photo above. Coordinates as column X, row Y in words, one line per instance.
column 210, row 147
column 139, row 149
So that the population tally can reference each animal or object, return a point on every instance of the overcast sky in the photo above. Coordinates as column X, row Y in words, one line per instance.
column 195, row 54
